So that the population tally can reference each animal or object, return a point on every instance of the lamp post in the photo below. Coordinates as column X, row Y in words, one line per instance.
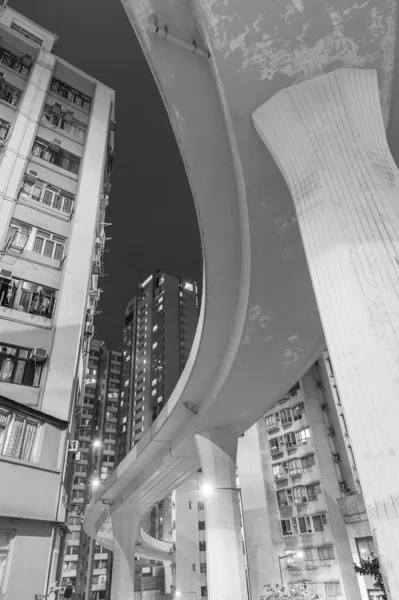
column 179, row 593
column 207, row 489
column 297, row 553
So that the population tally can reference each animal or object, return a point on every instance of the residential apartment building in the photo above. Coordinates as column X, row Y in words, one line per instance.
column 86, row 564
column 56, row 140
column 304, row 518
column 305, row 468
column 160, row 324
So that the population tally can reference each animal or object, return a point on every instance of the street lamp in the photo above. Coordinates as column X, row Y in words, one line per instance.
column 208, row 490
column 97, row 444
column 297, row 553
column 179, row 593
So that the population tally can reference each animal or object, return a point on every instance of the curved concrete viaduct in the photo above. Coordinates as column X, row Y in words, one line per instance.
column 278, row 66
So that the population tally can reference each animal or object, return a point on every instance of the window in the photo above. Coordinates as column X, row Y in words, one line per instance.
column 27, row 297
column 188, row 286
column 58, row 157
column 14, row 62
column 310, row 557
column 286, row 527
column 70, row 565
column 318, row 522
column 312, row 491
column 30, row 36
column 308, row 462
column 202, row 546
column 290, row 441
column 332, row 589
column 201, row 505
column 365, row 546
column 202, row 567
column 65, row 122
column 274, row 446
column 21, row 235
column 48, row 195
column 204, row 591
column 201, row 525
column 75, row 520
column 100, row 564
column 280, row 471
column 10, row 94
column 297, row 412
column 270, row 421
column 4, row 129
column 303, row 436
column 299, row 494
column 18, row 235
column 65, row 91
column 294, row 467
column 325, row 553
column 286, row 416
column 17, row 366
column 5, row 543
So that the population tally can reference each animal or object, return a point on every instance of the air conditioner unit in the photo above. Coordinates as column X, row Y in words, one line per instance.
column 57, row 109
column 73, row 446
column 31, row 176
column 68, row 116
column 5, row 274
column 27, row 60
column 55, row 145
column 39, row 354
column 294, row 521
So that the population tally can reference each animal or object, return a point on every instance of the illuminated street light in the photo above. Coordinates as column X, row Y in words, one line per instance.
column 179, row 593
column 95, row 483
column 207, row 489
column 97, row 444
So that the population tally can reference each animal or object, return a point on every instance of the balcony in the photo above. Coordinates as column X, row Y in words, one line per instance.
column 10, row 94
column 27, row 297
column 20, row 64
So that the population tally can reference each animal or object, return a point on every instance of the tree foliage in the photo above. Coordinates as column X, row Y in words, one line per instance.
column 371, row 566
column 281, row 592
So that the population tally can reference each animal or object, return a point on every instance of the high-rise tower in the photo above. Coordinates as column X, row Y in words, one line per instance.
column 56, row 140
column 160, row 324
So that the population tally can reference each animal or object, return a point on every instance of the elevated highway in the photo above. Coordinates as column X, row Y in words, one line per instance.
column 259, row 328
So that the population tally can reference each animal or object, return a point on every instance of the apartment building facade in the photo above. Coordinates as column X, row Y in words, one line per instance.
column 56, row 153
column 160, row 324
column 304, row 469
column 87, row 565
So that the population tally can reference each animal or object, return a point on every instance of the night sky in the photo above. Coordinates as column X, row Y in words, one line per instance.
column 153, row 218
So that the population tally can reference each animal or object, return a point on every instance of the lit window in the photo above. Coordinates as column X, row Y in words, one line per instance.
column 18, row 366
column 126, row 382
column 124, row 419
column 188, row 286
column 154, row 381
column 155, row 327
column 160, row 307
column 153, row 393
column 159, row 399
column 155, row 344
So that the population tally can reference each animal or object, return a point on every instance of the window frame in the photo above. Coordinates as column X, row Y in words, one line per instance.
column 31, row 373
column 7, row 553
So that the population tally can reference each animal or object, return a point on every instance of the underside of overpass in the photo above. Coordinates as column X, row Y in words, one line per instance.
column 280, row 111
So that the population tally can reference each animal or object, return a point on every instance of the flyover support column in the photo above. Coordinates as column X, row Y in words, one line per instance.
column 217, row 450
column 328, row 138
column 125, row 528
